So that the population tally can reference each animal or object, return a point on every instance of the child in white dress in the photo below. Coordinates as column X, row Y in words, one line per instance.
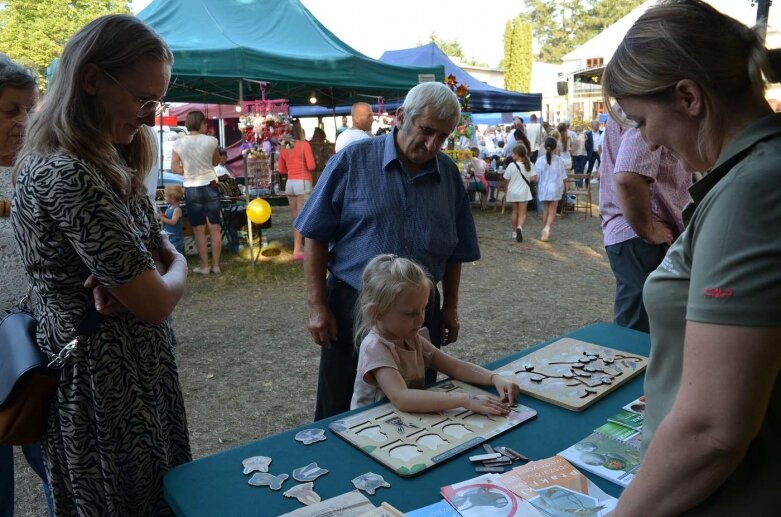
column 395, row 352
column 520, row 174
column 550, row 185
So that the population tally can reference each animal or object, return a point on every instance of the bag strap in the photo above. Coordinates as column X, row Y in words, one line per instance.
column 522, row 174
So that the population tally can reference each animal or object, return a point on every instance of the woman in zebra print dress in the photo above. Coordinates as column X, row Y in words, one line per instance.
column 88, row 235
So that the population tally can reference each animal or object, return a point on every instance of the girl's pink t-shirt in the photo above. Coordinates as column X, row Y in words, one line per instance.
column 377, row 352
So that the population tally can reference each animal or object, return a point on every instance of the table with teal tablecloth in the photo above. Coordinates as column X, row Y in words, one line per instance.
column 215, row 485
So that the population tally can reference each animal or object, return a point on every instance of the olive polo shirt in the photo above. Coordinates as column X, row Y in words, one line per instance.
column 724, row 269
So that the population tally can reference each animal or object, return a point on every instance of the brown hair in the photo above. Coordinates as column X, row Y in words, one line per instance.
column 520, row 150
column 194, row 120
column 563, row 135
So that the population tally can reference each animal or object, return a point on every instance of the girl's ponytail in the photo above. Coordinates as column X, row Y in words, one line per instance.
column 550, row 145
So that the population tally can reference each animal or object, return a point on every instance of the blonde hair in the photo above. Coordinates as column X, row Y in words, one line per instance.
column 689, row 39
column 175, row 191
column 70, row 120
column 384, row 278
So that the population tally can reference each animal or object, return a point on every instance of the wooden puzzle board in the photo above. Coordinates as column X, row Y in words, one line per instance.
column 573, row 374
column 409, row 443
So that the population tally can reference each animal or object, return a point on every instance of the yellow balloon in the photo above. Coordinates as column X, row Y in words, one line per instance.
column 258, row 211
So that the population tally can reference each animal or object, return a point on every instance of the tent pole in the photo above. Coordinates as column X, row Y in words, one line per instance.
column 333, row 110
column 249, row 222
column 162, row 179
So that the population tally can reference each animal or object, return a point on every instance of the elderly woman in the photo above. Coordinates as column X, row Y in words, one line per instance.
column 89, row 237
column 17, row 97
column 691, row 79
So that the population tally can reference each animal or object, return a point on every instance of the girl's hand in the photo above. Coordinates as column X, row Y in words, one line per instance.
column 486, row 405
column 508, row 391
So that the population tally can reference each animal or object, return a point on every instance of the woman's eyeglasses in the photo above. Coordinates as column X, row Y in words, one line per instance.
column 146, row 107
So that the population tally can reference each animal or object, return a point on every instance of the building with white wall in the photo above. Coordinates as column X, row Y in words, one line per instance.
column 582, row 68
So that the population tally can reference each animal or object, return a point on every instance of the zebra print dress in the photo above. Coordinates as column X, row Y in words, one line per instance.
column 117, row 423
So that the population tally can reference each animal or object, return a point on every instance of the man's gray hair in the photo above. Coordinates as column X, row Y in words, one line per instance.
column 441, row 99
column 14, row 75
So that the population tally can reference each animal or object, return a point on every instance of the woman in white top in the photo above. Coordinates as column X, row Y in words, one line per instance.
column 519, row 191
column 195, row 156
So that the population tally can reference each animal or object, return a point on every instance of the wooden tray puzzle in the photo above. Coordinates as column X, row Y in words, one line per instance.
column 409, row 443
column 573, row 374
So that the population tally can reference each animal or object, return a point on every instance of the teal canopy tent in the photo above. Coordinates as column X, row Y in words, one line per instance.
column 231, row 50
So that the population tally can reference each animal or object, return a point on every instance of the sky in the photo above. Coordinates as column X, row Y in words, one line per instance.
column 372, row 26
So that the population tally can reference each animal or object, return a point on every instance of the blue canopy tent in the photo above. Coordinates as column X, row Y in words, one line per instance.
column 485, row 98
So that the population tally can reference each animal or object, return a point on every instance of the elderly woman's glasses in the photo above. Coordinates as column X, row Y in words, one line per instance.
column 146, row 107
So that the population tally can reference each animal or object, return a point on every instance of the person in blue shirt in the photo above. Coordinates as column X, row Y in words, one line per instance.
column 394, row 194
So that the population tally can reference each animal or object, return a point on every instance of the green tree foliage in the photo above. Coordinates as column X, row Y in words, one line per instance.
column 33, row 32
column 453, row 48
column 517, row 55
column 559, row 26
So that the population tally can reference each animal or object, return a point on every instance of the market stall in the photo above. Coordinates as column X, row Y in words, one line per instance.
column 234, row 51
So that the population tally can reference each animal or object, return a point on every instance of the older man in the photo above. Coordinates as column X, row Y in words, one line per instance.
column 391, row 194
column 362, row 123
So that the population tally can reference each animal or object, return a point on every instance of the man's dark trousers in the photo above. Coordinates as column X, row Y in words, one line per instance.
column 632, row 261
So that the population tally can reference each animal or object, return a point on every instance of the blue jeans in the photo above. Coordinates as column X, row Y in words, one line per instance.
column 33, row 455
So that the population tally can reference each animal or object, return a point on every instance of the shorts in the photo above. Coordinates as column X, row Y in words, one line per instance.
column 298, row 187
column 202, row 203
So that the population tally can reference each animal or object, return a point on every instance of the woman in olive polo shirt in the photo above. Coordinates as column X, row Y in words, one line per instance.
column 691, row 79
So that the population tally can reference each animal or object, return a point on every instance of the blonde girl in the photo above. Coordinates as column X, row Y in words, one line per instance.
column 550, row 186
column 395, row 351
column 172, row 217
column 519, row 192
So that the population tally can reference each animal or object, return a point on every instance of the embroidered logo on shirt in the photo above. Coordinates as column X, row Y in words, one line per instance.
column 717, row 292
column 668, row 266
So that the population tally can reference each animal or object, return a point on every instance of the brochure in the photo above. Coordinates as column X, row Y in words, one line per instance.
column 606, row 456
column 556, row 488
column 486, row 496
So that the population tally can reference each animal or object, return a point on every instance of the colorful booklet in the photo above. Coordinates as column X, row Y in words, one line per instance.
column 486, row 496
column 607, row 455
column 636, row 406
column 438, row 509
column 628, row 419
column 554, row 487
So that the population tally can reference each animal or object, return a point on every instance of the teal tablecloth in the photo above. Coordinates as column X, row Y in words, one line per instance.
column 215, row 486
